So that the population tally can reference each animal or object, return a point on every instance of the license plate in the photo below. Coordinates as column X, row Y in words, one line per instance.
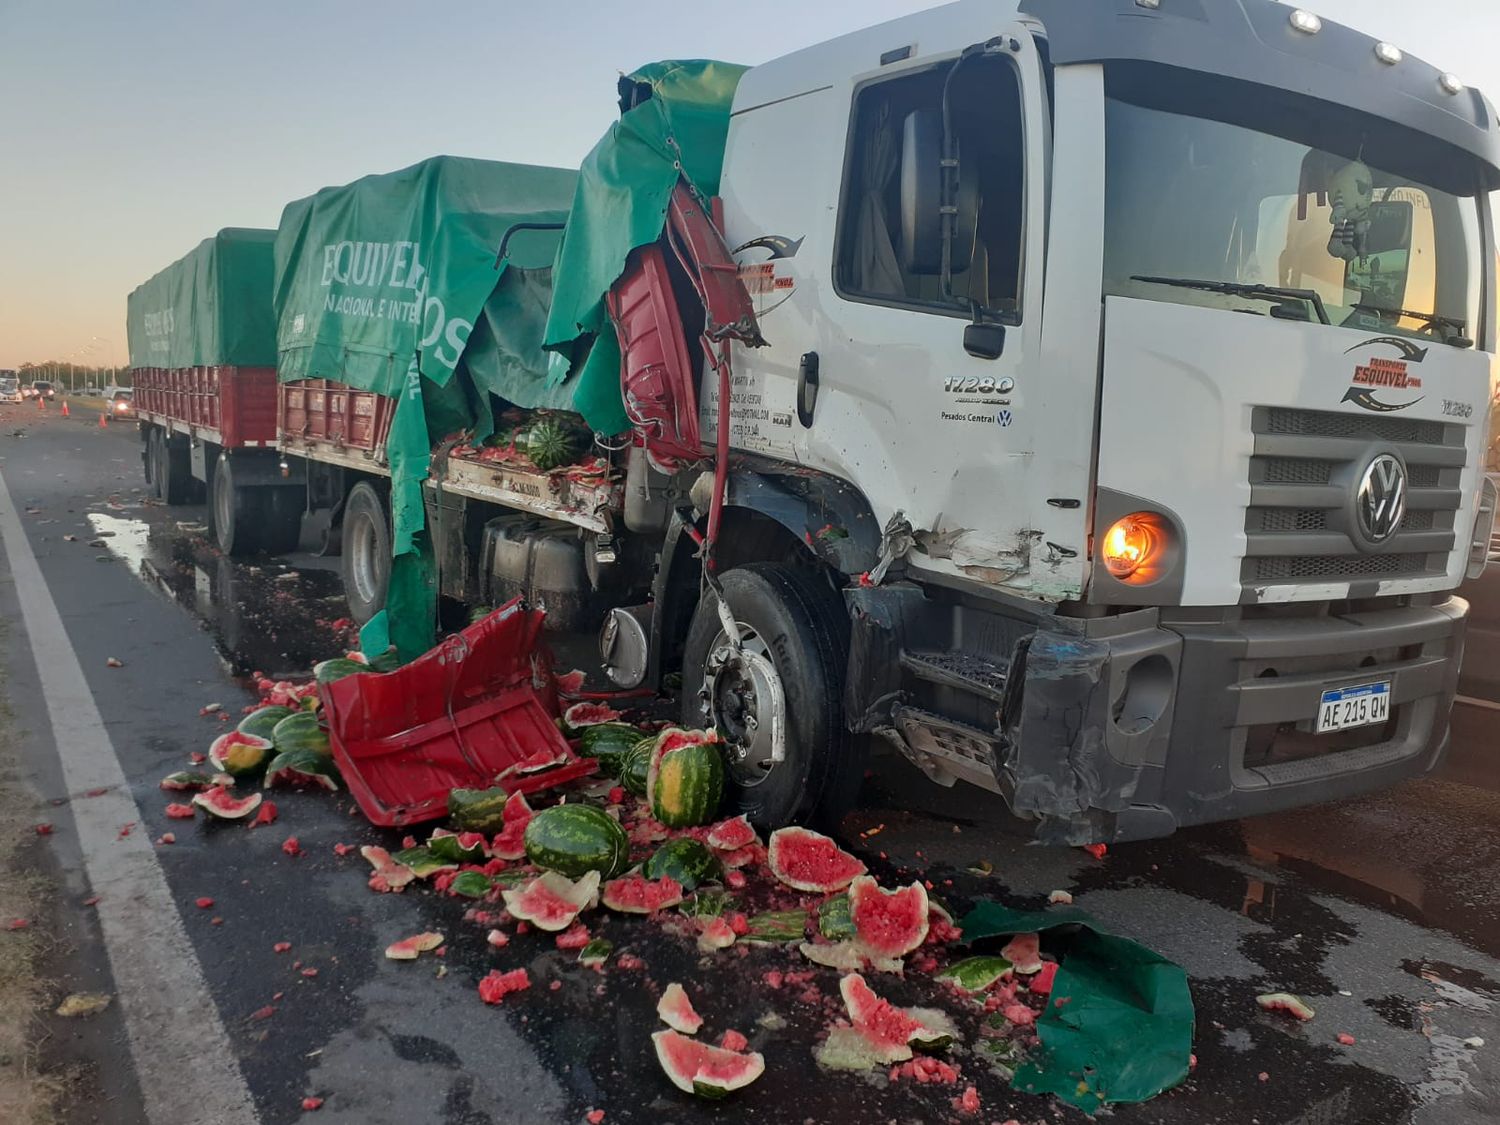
column 1343, row 708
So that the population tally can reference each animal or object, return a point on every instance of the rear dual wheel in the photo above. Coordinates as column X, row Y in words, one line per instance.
column 251, row 519
column 366, row 553
column 167, row 468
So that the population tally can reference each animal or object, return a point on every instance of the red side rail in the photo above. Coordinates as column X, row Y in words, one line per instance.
column 322, row 411
column 236, row 403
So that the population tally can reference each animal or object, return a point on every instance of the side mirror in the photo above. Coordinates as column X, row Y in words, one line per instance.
column 922, row 199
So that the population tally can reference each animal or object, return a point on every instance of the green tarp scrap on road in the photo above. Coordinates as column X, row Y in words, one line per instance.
column 209, row 308
column 621, row 203
column 1119, row 1025
column 379, row 284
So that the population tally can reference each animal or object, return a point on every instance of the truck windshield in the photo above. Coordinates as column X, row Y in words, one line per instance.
column 1235, row 216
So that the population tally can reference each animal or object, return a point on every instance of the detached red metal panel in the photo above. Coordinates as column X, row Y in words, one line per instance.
column 456, row 717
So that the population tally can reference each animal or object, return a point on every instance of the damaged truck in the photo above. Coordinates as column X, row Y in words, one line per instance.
column 1086, row 399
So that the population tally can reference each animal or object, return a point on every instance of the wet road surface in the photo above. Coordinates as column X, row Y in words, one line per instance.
column 1381, row 911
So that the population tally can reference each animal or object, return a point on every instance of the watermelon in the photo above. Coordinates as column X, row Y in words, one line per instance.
column 888, row 923
column 685, row 782
column 732, row 835
column 708, row 1071
column 834, row 921
column 975, row 974
column 716, row 934
column 469, row 884
column 595, row 953
column 1023, row 951
column 423, row 863
column 635, row 894
column 393, row 875
column 635, row 767
column 478, row 810
column 466, row 847
column 685, row 860
column 552, row 901
column 336, row 669
column 302, row 767
column 239, row 754
column 581, row 716
column 842, row 955
column 407, row 949
column 263, row 720
column 676, row 1010
column 224, row 805
column 572, row 839
column 809, row 861
column 891, row 1031
column 183, row 780
column 552, row 441
column 608, row 743
column 1286, row 1002
column 515, row 815
column 301, row 731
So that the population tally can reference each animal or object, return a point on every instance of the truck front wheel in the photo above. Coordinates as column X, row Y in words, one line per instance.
column 366, row 554
column 799, row 626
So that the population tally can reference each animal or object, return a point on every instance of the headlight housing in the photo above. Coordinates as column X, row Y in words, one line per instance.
column 1133, row 545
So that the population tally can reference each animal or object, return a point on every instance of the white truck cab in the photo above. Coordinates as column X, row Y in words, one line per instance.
column 1128, row 375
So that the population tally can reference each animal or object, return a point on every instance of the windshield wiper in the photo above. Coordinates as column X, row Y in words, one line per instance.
column 1458, row 338
column 1244, row 289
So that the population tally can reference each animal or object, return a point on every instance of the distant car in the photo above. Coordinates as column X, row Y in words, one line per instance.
column 28, row 390
column 122, row 403
column 44, row 389
column 10, row 391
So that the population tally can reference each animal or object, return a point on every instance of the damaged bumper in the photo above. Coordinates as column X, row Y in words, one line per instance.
column 1131, row 726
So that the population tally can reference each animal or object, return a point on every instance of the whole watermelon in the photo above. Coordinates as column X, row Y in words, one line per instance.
column 575, row 839
column 262, row 721
column 328, row 671
column 686, row 779
column 477, row 810
column 608, row 743
column 635, row 767
column 552, row 441
column 685, row 860
column 300, row 731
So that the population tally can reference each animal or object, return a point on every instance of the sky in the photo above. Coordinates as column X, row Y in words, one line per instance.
column 131, row 131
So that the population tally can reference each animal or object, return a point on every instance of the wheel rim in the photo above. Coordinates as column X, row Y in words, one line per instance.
column 736, row 702
column 363, row 562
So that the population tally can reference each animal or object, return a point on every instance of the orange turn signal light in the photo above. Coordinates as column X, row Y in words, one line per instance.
column 1131, row 543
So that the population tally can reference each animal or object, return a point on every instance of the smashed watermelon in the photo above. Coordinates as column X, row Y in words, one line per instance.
column 732, row 835
column 389, row 875
column 1286, row 1002
column 809, row 861
column 511, row 842
column 582, row 715
column 1023, row 951
column 458, row 847
column 239, row 754
column 224, row 804
column 888, row 923
column 407, row 949
column 185, row 781
column 302, row 767
column 698, row 1068
column 676, row 1010
column 551, row 901
column 893, row 1032
column 635, row 894
column 717, row 934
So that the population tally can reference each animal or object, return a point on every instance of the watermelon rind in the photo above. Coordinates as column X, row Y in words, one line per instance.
column 239, row 754
column 732, row 835
column 834, row 921
column 1294, row 1006
column 477, row 810
column 608, row 743
column 450, row 846
column 396, row 875
column 224, row 805
column 184, row 780
column 573, row 839
column 302, row 767
column 423, row 863
column 705, row 1070
column 635, row 767
column 975, row 974
column 685, row 782
column 328, row 671
column 891, row 1030
column 515, row 815
column 692, row 864
column 628, row 894
column 888, row 923
column 795, row 855
column 407, row 949
column 777, row 927
column 301, row 731
column 536, row 901
column 675, row 1010
column 471, row 884
column 263, row 720
column 596, row 952
column 581, row 717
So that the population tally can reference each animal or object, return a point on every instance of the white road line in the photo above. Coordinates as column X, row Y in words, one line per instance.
column 1485, row 704
column 183, row 1058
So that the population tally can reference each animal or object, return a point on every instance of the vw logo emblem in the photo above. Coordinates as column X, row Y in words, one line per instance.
column 1380, row 500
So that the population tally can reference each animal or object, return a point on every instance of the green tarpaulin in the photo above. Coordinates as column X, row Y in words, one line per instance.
column 1119, row 1026
column 380, row 284
column 621, row 203
column 210, row 307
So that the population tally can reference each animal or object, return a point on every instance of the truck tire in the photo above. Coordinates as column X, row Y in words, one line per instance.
column 238, row 515
column 800, row 626
column 171, row 477
column 284, row 507
column 366, row 552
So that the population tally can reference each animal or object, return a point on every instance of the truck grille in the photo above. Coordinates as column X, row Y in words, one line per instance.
column 1303, row 473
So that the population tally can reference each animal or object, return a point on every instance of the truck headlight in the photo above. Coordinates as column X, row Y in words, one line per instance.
column 1132, row 543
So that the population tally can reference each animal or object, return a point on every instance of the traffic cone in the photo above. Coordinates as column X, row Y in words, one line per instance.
column 104, row 421
column 41, row 403
column 65, row 408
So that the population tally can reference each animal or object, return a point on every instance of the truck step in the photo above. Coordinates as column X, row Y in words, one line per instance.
column 978, row 675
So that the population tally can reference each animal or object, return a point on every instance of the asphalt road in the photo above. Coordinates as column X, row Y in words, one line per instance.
column 1384, row 911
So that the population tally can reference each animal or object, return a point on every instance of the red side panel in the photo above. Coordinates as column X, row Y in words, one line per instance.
column 657, row 376
column 324, row 411
column 237, row 403
column 456, row 717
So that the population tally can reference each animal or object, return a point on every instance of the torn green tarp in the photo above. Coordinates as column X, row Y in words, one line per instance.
column 621, row 203
column 1119, row 1026
column 210, row 307
column 505, row 357
column 379, row 284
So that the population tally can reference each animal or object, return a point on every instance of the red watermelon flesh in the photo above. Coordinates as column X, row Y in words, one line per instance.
column 635, row 894
column 676, row 1010
column 731, row 835
column 809, row 861
column 888, row 923
column 891, row 1031
column 698, row 1068
column 1023, row 951
column 224, row 804
column 407, row 949
column 510, row 842
column 551, row 901
column 589, row 715
column 570, row 683
column 394, row 875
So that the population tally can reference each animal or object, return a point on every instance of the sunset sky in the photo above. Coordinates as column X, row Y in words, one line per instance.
column 129, row 132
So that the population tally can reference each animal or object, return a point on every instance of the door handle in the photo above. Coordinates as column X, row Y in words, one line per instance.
column 807, row 388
